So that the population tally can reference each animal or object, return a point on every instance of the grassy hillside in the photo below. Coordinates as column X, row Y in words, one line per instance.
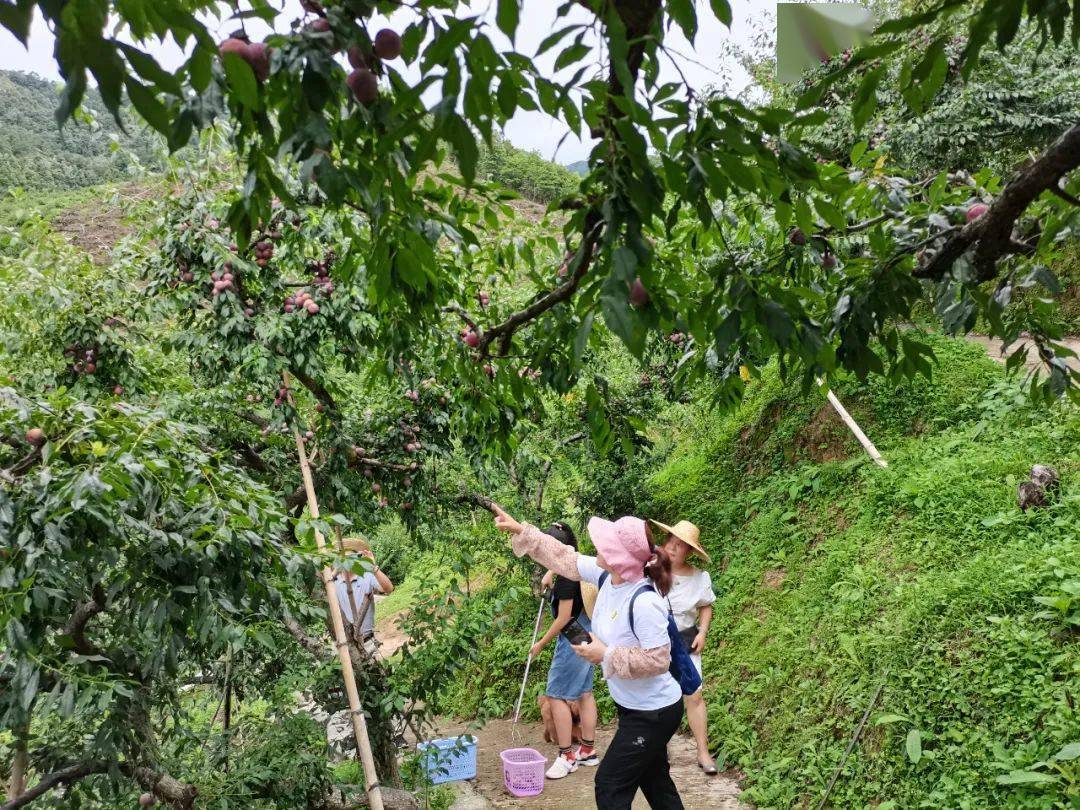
column 835, row 576
column 36, row 154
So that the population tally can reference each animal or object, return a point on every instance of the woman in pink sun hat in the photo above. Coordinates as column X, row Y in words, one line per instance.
column 632, row 648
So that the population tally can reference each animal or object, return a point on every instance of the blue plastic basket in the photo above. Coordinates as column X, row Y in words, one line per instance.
column 448, row 760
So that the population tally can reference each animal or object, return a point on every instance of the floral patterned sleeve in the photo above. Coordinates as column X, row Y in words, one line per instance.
column 546, row 550
column 634, row 662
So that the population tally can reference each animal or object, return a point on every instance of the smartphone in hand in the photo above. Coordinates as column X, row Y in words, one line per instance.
column 575, row 633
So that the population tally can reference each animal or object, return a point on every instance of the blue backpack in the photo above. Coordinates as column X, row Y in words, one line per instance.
column 682, row 668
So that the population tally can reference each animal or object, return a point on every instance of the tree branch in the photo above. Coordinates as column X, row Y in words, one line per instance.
column 1066, row 196
column 75, row 629
column 316, row 648
column 317, row 389
column 475, row 499
column 392, row 798
column 991, row 234
column 460, row 311
column 251, row 457
column 64, row 776
column 254, row 418
column 21, row 466
column 166, row 788
column 179, row 794
column 591, row 232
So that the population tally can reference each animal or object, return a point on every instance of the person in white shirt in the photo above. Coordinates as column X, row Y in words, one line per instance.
column 364, row 588
column 635, row 658
column 691, row 598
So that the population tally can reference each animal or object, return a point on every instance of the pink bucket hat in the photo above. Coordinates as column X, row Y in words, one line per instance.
column 623, row 544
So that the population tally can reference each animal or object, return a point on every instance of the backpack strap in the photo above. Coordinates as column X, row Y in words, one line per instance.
column 603, row 579
column 637, row 593
column 633, row 599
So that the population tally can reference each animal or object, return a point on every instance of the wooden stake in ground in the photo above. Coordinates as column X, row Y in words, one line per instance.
column 868, row 445
column 363, row 744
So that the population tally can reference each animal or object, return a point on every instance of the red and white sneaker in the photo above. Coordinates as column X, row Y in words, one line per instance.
column 589, row 760
column 562, row 766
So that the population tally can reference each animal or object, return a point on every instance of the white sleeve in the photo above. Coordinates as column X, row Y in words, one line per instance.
column 651, row 620
column 588, row 569
column 706, row 594
column 368, row 584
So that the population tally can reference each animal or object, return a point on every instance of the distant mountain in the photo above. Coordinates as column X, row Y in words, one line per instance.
column 36, row 154
column 579, row 167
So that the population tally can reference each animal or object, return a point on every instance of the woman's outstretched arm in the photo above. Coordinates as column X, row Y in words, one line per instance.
column 546, row 550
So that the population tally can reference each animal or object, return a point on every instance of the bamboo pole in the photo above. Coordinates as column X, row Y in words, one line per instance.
column 354, row 628
column 868, row 445
column 363, row 743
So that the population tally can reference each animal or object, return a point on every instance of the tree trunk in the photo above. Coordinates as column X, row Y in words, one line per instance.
column 19, row 764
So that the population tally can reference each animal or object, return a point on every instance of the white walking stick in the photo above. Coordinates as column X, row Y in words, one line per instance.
column 528, row 662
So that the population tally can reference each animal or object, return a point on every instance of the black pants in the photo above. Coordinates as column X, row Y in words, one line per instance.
column 637, row 758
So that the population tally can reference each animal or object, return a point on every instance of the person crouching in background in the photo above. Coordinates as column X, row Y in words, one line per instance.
column 691, row 598
column 570, row 677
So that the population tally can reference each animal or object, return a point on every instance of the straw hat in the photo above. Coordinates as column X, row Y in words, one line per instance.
column 589, row 592
column 355, row 544
column 687, row 532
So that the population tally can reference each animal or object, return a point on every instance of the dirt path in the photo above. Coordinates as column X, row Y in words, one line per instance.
column 993, row 349
column 390, row 636
column 699, row 792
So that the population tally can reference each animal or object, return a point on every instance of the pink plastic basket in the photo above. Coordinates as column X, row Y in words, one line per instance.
column 523, row 771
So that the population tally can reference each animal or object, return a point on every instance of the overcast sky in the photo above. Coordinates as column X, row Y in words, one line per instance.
column 701, row 64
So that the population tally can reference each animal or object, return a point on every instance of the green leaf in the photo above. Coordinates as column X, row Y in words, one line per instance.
column 624, row 264
column 885, row 719
column 461, row 138
column 148, row 68
column 572, row 54
column 16, row 18
column 684, row 14
column 866, row 99
column 1008, row 13
column 241, row 80
column 408, row 268
column 620, row 316
column 830, row 213
column 1069, row 752
column 913, row 746
column 147, row 105
column 721, row 9
column 71, row 97
column 1025, row 778
column 200, row 68
column 506, row 17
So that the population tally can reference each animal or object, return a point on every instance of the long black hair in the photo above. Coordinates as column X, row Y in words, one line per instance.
column 563, row 533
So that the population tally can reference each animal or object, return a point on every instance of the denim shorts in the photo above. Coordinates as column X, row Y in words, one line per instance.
column 570, row 674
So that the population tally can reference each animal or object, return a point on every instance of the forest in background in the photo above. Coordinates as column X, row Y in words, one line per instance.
column 36, row 154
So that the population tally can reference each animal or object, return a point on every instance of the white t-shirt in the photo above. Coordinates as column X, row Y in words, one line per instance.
column 687, row 594
column 611, row 624
column 362, row 586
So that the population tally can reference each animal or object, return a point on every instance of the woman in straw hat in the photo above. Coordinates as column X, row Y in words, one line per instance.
column 630, row 642
column 691, row 598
